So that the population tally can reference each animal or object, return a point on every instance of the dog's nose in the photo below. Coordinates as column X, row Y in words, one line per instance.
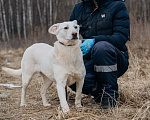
column 74, row 34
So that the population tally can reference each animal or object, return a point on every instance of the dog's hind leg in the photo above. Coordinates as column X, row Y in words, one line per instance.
column 26, row 78
column 79, row 85
column 46, row 84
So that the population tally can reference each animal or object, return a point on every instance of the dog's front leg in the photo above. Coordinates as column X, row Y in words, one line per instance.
column 61, row 77
column 62, row 97
column 79, row 86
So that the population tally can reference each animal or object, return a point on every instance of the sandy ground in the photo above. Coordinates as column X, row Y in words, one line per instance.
column 10, row 97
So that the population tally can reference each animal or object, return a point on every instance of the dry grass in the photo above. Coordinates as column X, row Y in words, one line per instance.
column 134, row 88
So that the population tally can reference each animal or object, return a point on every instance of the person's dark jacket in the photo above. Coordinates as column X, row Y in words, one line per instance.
column 104, row 20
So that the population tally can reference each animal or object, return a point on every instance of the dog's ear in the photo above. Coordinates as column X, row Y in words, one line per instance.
column 53, row 29
column 75, row 21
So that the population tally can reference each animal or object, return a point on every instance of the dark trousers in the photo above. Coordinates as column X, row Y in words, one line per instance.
column 104, row 65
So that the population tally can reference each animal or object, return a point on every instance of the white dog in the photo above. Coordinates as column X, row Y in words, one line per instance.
column 62, row 63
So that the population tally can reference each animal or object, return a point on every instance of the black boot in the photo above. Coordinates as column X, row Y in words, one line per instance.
column 109, row 103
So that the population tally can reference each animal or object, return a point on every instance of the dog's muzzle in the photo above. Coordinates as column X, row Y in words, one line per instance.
column 74, row 35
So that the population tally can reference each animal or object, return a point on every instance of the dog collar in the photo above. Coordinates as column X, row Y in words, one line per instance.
column 64, row 44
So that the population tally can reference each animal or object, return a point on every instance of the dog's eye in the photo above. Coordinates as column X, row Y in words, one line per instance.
column 66, row 28
column 75, row 27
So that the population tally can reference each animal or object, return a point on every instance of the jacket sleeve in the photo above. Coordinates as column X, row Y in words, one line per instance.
column 121, row 28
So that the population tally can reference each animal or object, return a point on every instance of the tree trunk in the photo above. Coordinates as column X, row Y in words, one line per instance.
column 51, row 12
column 145, row 14
column 24, row 20
column 11, row 19
column 2, row 24
column 29, row 4
column 4, row 19
column 18, row 19
column 39, row 10
column 44, row 12
column 56, row 11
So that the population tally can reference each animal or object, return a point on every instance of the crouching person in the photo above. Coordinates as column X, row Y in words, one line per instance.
column 104, row 26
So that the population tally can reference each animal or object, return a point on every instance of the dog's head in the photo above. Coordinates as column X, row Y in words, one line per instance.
column 66, row 32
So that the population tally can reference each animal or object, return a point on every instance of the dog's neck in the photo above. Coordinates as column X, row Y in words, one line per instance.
column 68, row 56
column 64, row 44
column 72, row 45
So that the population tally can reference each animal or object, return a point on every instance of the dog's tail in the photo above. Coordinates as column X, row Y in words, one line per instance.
column 12, row 72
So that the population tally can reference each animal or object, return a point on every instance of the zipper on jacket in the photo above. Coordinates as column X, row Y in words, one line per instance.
column 96, row 7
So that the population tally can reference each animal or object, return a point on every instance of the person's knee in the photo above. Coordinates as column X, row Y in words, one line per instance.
column 103, row 46
column 103, row 51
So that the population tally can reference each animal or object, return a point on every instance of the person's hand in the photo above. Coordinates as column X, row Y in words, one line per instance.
column 87, row 45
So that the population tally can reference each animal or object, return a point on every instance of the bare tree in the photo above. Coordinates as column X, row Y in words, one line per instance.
column 39, row 10
column 56, row 11
column 18, row 19
column 29, row 8
column 4, row 18
column 44, row 11
column 11, row 18
column 24, row 20
column 51, row 12
column 2, row 24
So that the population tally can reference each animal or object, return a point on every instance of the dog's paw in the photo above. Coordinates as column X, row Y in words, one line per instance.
column 23, row 105
column 66, row 111
column 46, row 105
column 78, row 105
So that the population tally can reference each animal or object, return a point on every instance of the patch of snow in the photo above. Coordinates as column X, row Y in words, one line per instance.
column 10, row 85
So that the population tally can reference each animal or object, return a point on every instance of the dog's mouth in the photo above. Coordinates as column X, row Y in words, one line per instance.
column 74, row 38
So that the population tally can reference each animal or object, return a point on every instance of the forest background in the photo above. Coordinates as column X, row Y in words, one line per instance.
column 24, row 22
